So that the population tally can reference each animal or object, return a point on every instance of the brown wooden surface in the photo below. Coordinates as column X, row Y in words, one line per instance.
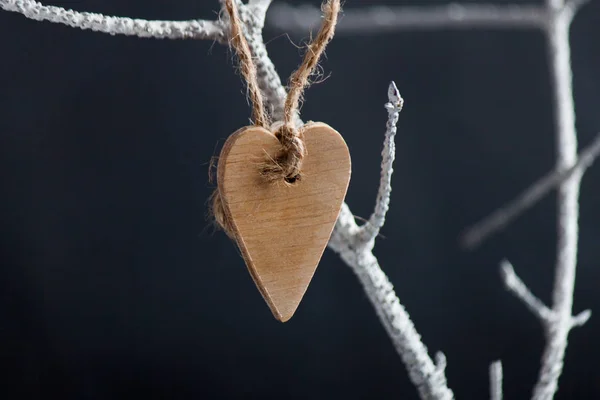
column 283, row 230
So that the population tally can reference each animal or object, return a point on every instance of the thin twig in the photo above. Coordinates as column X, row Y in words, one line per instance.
column 428, row 377
column 370, row 229
column 581, row 318
column 568, row 200
column 192, row 29
column 502, row 217
column 356, row 249
column 260, row 8
column 519, row 289
column 379, row 19
column 269, row 80
column 496, row 380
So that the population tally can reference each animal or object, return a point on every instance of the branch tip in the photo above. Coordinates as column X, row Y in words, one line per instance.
column 575, row 5
column 581, row 319
column 440, row 362
column 508, row 273
column 394, row 96
column 371, row 228
column 515, row 285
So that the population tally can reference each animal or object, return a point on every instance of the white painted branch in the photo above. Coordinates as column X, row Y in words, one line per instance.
column 193, row 29
column 581, row 318
column 568, row 199
column 370, row 229
column 427, row 376
column 379, row 19
column 355, row 248
column 502, row 217
column 557, row 328
column 260, row 8
column 519, row 289
column 496, row 380
column 269, row 81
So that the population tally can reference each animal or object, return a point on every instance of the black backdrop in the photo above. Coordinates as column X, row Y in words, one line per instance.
column 113, row 285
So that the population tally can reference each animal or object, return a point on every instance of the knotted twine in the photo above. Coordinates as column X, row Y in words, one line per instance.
column 286, row 167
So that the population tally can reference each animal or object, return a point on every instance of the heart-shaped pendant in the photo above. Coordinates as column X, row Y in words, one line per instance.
column 282, row 230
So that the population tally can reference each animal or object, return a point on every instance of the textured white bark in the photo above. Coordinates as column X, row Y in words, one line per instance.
column 355, row 244
column 193, row 29
column 378, row 19
column 268, row 79
column 568, row 200
column 260, row 8
column 427, row 376
column 558, row 321
column 370, row 229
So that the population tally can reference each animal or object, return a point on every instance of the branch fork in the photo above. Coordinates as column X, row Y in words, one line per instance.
column 549, row 317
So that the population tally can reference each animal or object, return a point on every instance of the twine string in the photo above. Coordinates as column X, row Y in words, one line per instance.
column 247, row 66
column 286, row 167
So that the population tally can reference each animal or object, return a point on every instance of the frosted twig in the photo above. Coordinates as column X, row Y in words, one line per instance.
column 378, row 19
column 496, row 380
column 557, row 30
column 581, row 318
column 519, row 289
column 500, row 218
column 192, row 29
column 269, row 80
column 427, row 376
column 355, row 248
column 260, row 8
column 370, row 229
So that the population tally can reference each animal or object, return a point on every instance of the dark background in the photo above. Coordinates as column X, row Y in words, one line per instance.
column 113, row 285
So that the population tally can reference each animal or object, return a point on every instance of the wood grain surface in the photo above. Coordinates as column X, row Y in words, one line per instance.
column 282, row 230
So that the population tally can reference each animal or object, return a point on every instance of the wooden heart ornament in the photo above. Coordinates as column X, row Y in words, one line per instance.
column 282, row 230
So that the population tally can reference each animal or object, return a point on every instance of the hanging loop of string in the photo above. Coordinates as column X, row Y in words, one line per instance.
column 248, row 69
column 286, row 167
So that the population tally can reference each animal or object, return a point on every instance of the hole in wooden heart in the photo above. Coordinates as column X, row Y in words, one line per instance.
column 292, row 179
